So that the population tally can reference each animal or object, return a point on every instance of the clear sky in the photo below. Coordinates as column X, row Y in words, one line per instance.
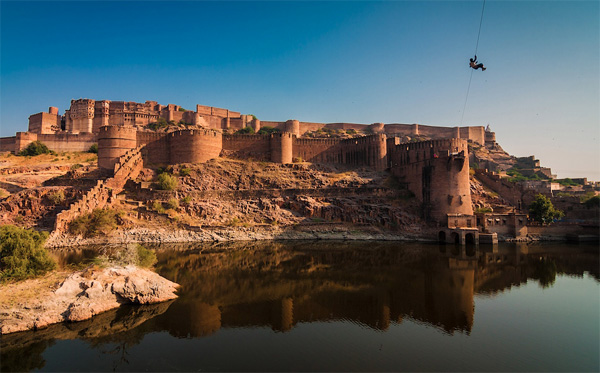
column 359, row 62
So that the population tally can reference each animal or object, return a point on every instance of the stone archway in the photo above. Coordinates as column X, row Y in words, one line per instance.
column 442, row 236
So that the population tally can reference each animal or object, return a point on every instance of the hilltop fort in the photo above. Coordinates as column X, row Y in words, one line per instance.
column 432, row 163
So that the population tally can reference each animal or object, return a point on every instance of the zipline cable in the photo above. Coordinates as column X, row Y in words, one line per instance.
column 466, row 98
column 471, row 77
column 480, row 22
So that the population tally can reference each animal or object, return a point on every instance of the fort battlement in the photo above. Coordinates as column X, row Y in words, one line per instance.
column 437, row 172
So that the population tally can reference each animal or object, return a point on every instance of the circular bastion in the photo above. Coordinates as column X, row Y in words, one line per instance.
column 113, row 142
column 195, row 146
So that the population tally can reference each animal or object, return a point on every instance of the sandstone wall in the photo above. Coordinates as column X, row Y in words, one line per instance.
column 318, row 150
column 194, row 146
column 7, row 144
column 103, row 194
column 113, row 142
column 281, row 147
column 257, row 147
column 437, row 172
column 59, row 142
column 44, row 122
column 156, row 149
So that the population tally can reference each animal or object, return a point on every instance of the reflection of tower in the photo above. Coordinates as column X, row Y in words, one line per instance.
column 452, row 292
column 283, row 315
column 205, row 319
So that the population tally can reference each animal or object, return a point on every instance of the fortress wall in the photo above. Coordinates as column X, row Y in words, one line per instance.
column 246, row 146
column 203, row 110
column 436, row 132
column 59, row 142
column 236, row 124
column 437, row 172
column 114, row 142
column 104, row 193
column 511, row 192
column 194, row 146
column 281, row 147
column 44, row 123
column 365, row 151
column 7, row 144
column 473, row 133
column 318, row 150
column 156, row 147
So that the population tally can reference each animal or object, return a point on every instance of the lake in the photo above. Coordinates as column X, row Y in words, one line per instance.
column 342, row 306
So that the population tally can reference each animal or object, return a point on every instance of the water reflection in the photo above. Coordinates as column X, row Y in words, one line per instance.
column 281, row 285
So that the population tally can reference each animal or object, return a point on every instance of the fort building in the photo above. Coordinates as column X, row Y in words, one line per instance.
column 435, row 170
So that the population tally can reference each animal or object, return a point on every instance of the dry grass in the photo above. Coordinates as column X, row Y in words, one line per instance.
column 66, row 158
column 28, row 291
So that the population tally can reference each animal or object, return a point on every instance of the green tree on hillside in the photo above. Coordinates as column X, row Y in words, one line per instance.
column 35, row 148
column 542, row 210
column 22, row 254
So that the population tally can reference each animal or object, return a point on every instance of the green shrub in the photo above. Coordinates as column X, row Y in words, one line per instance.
column 22, row 254
column 592, row 202
column 160, row 123
column 542, row 210
column 145, row 257
column 93, row 149
column 36, row 148
column 158, row 207
column 76, row 166
column 186, row 200
column 57, row 197
column 267, row 130
column 185, row 171
column 245, row 130
column 483, row 210
column 99, row 221
column 173, row 204
column 167, row 182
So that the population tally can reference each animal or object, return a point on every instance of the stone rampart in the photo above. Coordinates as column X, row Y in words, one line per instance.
column 156, row 149
column 103, row 194
column 113, row 142
column 247, row 146
column 281, row 147
column 7, row 144
column 437, row 172
column 194, row 146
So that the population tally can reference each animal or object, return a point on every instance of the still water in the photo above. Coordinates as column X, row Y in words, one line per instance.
column 323, row 306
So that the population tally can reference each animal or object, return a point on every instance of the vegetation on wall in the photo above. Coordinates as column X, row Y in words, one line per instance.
column 36, row 148
column 267, row 130
column 93, row 149
column 592, row 202
column 22, row 254
column 542, row 210
column 245, row 131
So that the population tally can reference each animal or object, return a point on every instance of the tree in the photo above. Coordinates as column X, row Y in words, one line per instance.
column 35, row 148
column 542, row 210
column 22, row 254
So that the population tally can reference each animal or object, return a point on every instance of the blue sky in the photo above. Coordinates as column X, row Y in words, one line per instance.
column 360, row 62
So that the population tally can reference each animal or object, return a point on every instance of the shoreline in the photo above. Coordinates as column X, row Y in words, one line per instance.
column 72, row 296
column 228, row 234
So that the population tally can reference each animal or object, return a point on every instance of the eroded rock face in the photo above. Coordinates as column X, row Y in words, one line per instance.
column 87, row 293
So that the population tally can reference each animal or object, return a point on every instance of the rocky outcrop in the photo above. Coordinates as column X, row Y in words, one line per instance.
column 82, row 295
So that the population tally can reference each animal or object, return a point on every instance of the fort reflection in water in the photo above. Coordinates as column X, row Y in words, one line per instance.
column 281, row 285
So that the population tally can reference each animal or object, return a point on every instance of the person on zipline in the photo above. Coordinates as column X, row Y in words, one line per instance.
column 473, row 63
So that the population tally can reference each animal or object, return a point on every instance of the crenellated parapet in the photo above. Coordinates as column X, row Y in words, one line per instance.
column 437, row 172
column 194, row 146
